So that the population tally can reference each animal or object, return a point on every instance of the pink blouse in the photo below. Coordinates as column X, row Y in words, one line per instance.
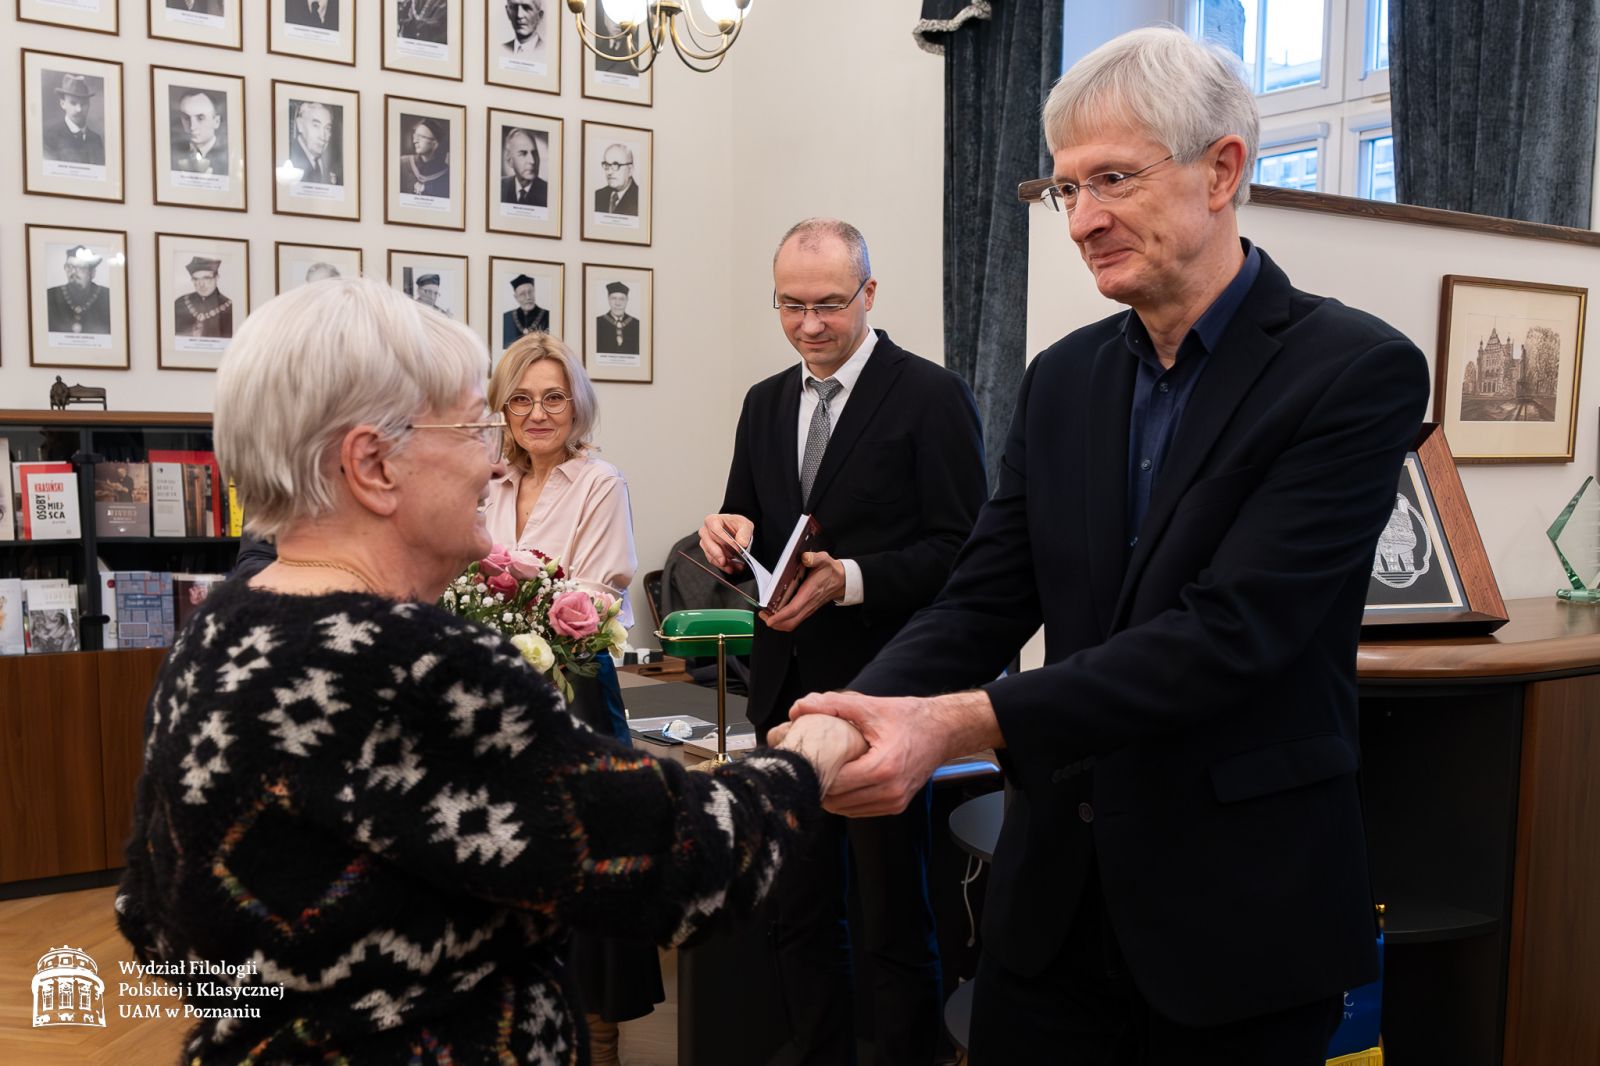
column 581, row 518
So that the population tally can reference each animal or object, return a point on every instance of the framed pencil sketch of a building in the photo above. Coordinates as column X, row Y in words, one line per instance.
column 618, row 312
column 313, row 29
column 1508, row 368
column 524, row 174
column 422, row 37
column 618, row 181
column 202, row 295
column 425, row 155
column 522, row 44
column 99, row 16
column 435, row 280
column 72, row 137
column 301, row 264
column 217, row 23
column 197, row 137
column 316, row 164
column 612, row 76
column 77, row 297
column 525, row 296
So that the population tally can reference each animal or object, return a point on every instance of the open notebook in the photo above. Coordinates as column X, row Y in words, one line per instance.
column 775, row 586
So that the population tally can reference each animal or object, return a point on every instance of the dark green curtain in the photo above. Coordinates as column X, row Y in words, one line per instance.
column 1000, row 60
column 1494, row 106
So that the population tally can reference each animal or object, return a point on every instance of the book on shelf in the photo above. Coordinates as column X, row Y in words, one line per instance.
column 11, row 615
column 216, row 502
column 166, row 499
column 108, row 607
column 144, row 608
column 49, row 500
column 189, row 591
column 198, row 520
column 235, row 512
column 122, row 499
column 53, row 619
column 8, row 514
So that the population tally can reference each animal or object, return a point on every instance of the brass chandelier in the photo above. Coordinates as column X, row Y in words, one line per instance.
column 643, row 28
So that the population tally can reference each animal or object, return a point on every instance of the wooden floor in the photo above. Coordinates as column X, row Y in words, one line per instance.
column 31, row 927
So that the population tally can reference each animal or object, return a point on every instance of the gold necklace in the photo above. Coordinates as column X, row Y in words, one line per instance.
column 327, row 565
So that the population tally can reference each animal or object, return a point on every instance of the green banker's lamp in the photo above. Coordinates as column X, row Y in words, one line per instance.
column 691, row 634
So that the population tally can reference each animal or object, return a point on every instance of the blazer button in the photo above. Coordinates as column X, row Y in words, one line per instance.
column 1085, row 812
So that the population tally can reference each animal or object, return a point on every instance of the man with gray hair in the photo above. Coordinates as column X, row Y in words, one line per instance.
column 1188, row 504
column 883, row 450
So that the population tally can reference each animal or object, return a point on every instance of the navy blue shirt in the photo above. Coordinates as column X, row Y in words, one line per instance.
column 1160, row 394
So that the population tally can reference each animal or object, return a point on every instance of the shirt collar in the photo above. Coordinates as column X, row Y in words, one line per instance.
column 1208, row 328
column 568, row 470
column 847, row 374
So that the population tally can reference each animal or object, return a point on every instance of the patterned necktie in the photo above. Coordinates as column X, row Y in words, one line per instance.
column 819, row 432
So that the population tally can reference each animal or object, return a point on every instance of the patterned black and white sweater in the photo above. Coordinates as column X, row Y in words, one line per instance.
column 380, row 809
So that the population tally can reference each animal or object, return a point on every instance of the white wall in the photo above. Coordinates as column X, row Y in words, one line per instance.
column 1392, row 270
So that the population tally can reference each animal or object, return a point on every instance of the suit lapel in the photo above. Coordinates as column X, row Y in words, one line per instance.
column 876, row 379
column 784, row 423
column 1246, row 348
column 1106, row 508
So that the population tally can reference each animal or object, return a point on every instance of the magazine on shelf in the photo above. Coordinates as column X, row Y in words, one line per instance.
column 189, row 591
column 166, row 499
column 216, row 502
column 53, row 620
column 11, row 615
column 49, row 501
column 8, row 514
column 144, row 608
column 122, row 499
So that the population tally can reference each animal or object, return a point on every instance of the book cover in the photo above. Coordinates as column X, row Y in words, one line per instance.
column 235, row 512
column 219, row 502
column 198, row 520
column 53, row 620
column 145, row 610
column 166, row 499
column 108, row 607
column 49, row 501
column 11, row 613
column 122, row 499
column 773, row 587
column 8, row 516
column 189, row 591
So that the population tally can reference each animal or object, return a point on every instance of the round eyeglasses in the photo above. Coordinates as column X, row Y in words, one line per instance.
column 491, row 431
column 521, row 404
column 1063, row 195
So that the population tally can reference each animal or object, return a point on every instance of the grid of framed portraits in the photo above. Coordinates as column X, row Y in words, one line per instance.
column 522, row 48
column 298, row 264
column 425, row 158
column 99, row 16
column 202, row 293
column 524, row 193
column 313, row 29
column 618, row 180
column 198, row 134
column 72, row 126
column 218, row 23
column 525, row 296
column 422, row 37
column 434, row 279
column 77, row 297
column 618, row 313
column 316, row 159
column 1510, row 356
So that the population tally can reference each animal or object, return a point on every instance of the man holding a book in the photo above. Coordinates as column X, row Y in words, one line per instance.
column 864, row 463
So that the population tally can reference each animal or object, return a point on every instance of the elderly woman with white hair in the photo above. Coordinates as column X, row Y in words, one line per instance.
column 369, row 820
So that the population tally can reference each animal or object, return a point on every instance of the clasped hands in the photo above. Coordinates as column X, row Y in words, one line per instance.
column 877, row 752
column 821, row 586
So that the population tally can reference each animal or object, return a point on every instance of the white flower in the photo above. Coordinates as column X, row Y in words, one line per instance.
column 535, row 650
column 507, row 616
column 616, row 634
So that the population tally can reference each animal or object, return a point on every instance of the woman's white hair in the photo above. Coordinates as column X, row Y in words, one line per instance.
column 1185, row 93
column 312, row 364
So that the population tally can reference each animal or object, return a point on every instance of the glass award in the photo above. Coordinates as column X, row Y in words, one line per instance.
column 1576, row 536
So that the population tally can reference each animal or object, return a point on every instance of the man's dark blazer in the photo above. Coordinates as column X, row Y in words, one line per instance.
column 898, row 490
column 298, row 12
column 605, row 336
column 300, row 160
column 629, row 205
column 538, row 193
column 62, row 146
column 1199, row 692
column 510, row 333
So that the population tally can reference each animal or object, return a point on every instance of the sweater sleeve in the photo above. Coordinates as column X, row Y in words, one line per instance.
column 467, row 771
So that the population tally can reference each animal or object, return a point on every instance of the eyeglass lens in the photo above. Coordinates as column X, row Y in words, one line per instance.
column 553, row 403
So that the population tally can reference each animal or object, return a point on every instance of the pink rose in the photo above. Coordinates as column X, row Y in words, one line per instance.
column 495, row 562
column 572, row 615
column 503, row 582
column 525, row 564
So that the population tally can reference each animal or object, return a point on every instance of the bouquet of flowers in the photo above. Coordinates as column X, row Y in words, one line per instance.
column 559, row 626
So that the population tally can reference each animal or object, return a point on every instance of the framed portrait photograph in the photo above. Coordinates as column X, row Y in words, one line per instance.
column 522, row 44
column 77, row 297
column 1506, row 377
column 313, row 29
column 197, row 139
column 423, row 37
column 618, row 180
column 1429, row 568
column 202, row 294
column 425, row 154
column 217, row 23
column 72, row 137
column 618, row 309
column 99, row 16
column 524, row 172
column 613, row 76
column 525, row 296
column 300, row 264
column 316, row 162
column 433, row 279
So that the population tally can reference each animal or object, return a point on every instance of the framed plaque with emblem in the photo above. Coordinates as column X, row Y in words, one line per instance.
column 618, row 310
column 202, row 296
column 77, row 297
column 525, row 296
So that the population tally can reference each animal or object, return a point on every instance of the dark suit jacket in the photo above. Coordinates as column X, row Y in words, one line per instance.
column 538, row 193
column 1199, row 692
column 510, row 332
column 299, row 159
column 96, row 316
column 62, row 147
column 898, row 489
column 628, row 206
column 298, row 12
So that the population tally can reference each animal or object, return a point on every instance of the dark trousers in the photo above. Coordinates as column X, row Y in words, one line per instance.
column 1084, row 1010
column 812, row 937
